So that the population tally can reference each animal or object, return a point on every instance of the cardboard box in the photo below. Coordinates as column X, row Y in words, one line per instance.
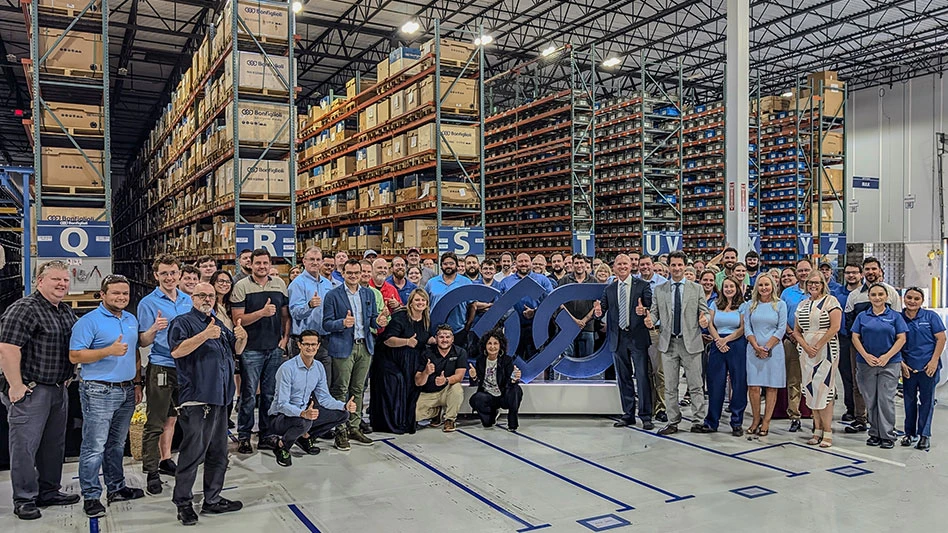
column 361, row 159
column 403, row 58
column 463, row 140
column 373, row 155
column 832, row 143
column 826, row 77
column 388, row 235
column 66, row 167
column 412, row 140
column 413, row 230
column 455, row 51
column 412, row 97
column 87, row 118
column 256, row 74
column 353, row 89
column 268, row 21
column 344, row 166
column 260, row 123
column 78, row 50
column 381, row 70
column 832, row 182
column 382, row 112
column 459, row 193
column 821, row 223
column 371, row 118
column 461, row 98
column 397, row 104
column 368, row 242
column 399, row 146
column 387, row 152
column 258, row 178
column 406, row 194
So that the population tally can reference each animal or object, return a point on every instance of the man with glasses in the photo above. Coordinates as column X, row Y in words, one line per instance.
column 161, row 378
column 204, row 352
column 34, row 357
column 105, row 345
column 792, row 296
column 302, row 407
column 307, row 292
column 207, row 265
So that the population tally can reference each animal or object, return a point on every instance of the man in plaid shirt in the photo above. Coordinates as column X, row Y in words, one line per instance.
column 34, row 357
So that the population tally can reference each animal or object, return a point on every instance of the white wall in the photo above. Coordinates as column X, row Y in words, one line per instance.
column 891, row 135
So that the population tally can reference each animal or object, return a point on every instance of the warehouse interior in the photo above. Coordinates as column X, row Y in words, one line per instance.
column 794, row 128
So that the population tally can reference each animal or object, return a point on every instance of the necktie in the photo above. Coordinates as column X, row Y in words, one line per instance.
column 676, row 328
column 623, row 306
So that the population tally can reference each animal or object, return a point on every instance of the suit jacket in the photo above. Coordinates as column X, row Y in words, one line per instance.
column 335, row 307
column 693, row 305
column 610, row 301
column 505, row 367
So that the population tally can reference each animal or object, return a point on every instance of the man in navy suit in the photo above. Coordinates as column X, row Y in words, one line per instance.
column 350, row 316
column 629, row 298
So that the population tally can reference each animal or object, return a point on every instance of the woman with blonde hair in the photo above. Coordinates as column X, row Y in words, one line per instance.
column 817, row 322
column 603, row 273
column 765, row 322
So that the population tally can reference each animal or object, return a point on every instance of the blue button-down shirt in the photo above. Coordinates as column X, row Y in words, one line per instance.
column 792, row 296
column 657, row 279
column 508, row 283
column 405, row 291
column 206, row 375
column 148, row 310
column 101, row 328
column 301, row 291
column 295, row 384
column 356, row 304
column 437, row 288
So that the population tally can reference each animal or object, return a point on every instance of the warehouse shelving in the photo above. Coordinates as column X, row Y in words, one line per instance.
column 15, row 233
column 539, row 153
column 400, row 156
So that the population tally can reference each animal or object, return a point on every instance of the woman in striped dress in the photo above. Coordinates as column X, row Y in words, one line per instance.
column 817, row 323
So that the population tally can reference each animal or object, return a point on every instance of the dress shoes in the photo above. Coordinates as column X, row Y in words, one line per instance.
column 648, row 425
column 624, row 422
column 222, row 505
column 186, row 515
column 669, row 429
column 27, row 511
column 737, row 431
column 59, row 498
column 924, row 443
column 701, row 428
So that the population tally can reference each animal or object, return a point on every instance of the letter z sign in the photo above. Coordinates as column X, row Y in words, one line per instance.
column 833, row 244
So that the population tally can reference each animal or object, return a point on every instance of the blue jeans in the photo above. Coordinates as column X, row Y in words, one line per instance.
column 257, row 367
column 720, row 366
column 918, row 391
column 106, row 414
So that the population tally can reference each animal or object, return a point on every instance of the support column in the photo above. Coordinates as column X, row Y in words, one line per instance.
column 737, row 124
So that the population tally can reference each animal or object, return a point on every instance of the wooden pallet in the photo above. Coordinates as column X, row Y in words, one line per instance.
column 71, row 72
column 73, row 12
column 415, row 206
column 264, row 91
column 83, row 190
column 450, row 63
column 75, row 132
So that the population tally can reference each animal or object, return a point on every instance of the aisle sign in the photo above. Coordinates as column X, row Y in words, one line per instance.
column 865, row 182
column 278, row 239
column 754, row 238
column 805, row 244
column 584, row 243
column 662, row 242
column 72, row 238
column 461, row 240
column 833, row 244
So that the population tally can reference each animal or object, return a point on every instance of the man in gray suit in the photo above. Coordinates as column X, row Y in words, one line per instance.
column 681, row 310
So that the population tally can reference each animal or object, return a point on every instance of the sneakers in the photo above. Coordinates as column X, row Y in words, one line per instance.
column 244, row 447
column 125, row 494
column 342, row 440
column 661, row 416
column 873, row 441
column 887, row 444
column 794, row 425
column 855, row 427
column 59, row 498
column 365, row 427
column 186, row 515
column 267, row 443
column 222, row 505
column 308, row 445
column 283, row 456
column 154, row 484
column 449, row 426
column 168, row 467
column 93, row 508
column 359, row 437
column 437, row 419
column 848, row 417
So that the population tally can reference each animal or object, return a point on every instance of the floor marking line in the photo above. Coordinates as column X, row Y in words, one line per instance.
column 622, row 505
column 789, row 473
column 673, row 497
column 303, row 518
column 762, row 448
column 93, row 525
column 470, row 491
column 827, row 452
column 867, row 456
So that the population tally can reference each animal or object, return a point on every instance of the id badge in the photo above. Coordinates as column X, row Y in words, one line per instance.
column 162, row 379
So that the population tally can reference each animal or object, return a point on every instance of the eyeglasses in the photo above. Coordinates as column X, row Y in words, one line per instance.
column 814, row 283
column 202, row 296
column 309, row 344
column 168, row 274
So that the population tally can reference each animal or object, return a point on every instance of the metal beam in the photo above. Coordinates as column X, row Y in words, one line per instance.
column 125, row 54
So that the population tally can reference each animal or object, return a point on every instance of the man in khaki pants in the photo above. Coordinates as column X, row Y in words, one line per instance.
column 439, row 378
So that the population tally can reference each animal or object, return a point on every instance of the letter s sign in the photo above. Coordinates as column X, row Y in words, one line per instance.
column 461, row 240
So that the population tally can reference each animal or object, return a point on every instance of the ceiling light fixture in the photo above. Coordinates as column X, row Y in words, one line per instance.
column 611, row 62
column 297, row 6
column 788, row 94
column 483, row 40
column 548, row 50
column 410, row 27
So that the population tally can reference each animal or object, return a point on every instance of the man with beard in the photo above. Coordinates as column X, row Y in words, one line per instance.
column 439, row 377
column 557, row 269
column 340, row 260
column 527, row 306
column 398, row 279
column 752, row 262
column 506, row 264
column 204, row 351
column 852, row 274
column 472, row 269
column 729, row 261
column 414, row 260
column 390, row 297
column 826, row 270
column 306, row 293
column 581, row 310
column 440, row 285
column 326, row 269
column 634, row 262
column 539, row 265
column 243, row 259
column 792, row 296
column 856, row 303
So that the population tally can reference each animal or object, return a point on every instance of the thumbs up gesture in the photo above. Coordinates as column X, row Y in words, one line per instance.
column 161, row 323
column 310, row 413
column 212, row 331
column 703, row 320
column 472, row 371
column 640, row 309
column 269, row 309
column 528, row 312
column 315, row 301
column 239, row 330
column 118, row 348
column 392, row 303
column 382, row 320
column 429, row 368
column 515, row 376
column 351, row 405
column 441, row 380
column 349, row 321
column 648, row 320
column 412, row 341
column 597, row 309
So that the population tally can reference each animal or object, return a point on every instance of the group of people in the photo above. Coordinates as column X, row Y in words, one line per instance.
column 295, row 360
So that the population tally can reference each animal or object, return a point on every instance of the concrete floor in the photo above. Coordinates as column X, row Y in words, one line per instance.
column 558, row 474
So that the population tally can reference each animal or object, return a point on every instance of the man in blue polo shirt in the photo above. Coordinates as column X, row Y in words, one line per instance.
column 449, row 280
column 306, row 304
column 104, row 343
column 527, row 305
column 792, row 296
column 155, row 311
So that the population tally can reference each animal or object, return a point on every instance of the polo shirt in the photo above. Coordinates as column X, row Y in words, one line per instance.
column 527, row 301
column 920, row 338
column 858, row 301
column 842, row 296
column 206, row 375
column 719, row 279
column 295, row 384
column 148, row 310
column 500, row 275
column 98, row 329
column 405, row 291
column 388, row 292
column 792, row 296
column 301, row 292
column 437, row 288
column 264, row 334
column 41, row 330
column 877, row 332
column 456, row 358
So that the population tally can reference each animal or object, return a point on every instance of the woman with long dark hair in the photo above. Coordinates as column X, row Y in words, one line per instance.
column 921, row 365
column 400, row 347
column 727, row 357
column 223, row 285
column 497, row 380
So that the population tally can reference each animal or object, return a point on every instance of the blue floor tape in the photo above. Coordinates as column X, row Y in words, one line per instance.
column 303, row 518
column 672, row 496
column 93, row 525
column 622, row 505
column 527, row 525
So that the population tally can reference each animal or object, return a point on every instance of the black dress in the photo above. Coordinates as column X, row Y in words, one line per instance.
column 394, row 394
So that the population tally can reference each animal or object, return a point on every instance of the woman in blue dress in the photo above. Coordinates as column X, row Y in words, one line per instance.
column 727, row 357
column 765, row 322
column 921, row 364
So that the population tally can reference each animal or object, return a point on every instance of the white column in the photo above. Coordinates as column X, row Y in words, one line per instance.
column 737, row 124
